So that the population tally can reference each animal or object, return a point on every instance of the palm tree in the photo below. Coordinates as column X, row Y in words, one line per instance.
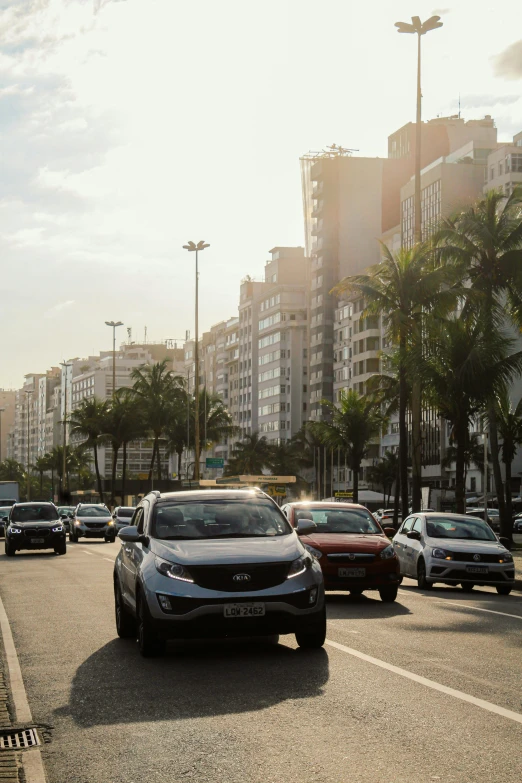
column 406, row 287
column 509, row 422
column 42, row 465
column 473, row 454
column 88, row 421
column 249, row 456
column 486, row 242
column 464, row 367
column 215, row 422
column 11, row 470
column 384, row 474
column 354, row 424
column 124, row 423
column 157, row 389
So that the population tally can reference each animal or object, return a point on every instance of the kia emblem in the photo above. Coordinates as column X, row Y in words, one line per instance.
column 241, row 578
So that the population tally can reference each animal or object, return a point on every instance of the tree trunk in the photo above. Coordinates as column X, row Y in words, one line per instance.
column 124, row 474
column 158, row 456
column 509, row 504
column 115, row 450
column 97, row 469
column 151, row 468
column 403, row 431
column 41, row 484
column 180, row 455
column 461, row 434
column 505, row 524
column 356, row 469
column 416, row 446
column 397, row 500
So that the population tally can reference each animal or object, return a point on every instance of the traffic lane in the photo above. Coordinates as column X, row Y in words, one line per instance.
column 445, row 636
column 211, row 710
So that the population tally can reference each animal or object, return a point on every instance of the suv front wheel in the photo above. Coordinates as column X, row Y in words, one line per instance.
column 313, row 638
column 148, row 641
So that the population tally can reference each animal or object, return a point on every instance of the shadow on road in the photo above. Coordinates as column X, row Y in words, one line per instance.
column 193, row 680
column 341, row 606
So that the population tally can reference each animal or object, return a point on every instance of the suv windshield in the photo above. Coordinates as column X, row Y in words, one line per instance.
column 34, row 513
column 342, row 520
column 93, row 511
column 218, row 519
column 471, row 529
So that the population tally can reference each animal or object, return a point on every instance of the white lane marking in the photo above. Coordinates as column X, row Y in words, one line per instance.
column 31, row 760
column 478, row 609
column 436, row 686
column 86, row 552
column 109, row 560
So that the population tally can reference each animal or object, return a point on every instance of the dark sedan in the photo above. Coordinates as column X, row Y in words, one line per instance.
column 34, row 526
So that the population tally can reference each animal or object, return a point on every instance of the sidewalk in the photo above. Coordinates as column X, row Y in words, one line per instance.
column 517, row 557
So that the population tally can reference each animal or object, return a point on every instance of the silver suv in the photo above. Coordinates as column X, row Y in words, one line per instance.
column 215, row 563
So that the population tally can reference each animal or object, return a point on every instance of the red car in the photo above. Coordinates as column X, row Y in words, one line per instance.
column 351, row 547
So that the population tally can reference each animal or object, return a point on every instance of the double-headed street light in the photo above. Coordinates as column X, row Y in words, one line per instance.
column 419, row 28
column 193, row 248
column 113, row 325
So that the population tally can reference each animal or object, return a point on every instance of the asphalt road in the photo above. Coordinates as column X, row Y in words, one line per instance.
column 247, row 712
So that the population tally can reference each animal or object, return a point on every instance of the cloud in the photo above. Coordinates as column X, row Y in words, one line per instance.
column 59, row 308
column 508, row 64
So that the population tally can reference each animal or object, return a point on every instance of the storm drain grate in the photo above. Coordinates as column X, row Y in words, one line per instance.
column 18, row 740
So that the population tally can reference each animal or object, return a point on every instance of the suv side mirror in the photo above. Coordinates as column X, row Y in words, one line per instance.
column 129, row 534
column 413, row 534
column 506, row 542
column 64, row 516
column 389, row 531
column 306, row 527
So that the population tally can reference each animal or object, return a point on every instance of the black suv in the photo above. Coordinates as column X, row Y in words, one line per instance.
column 34, row 526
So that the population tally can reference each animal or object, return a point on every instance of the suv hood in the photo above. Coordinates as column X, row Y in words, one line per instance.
column 459, row 545
column 38, row 523
column 229, row 551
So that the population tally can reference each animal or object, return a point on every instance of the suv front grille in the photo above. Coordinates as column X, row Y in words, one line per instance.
column 95, row 525
column 41, row 532
column 262, row 576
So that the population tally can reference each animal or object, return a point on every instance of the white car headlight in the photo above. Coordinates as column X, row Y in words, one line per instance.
column 387, row 552
column 314, row 552
column 57, row 529
column 15, row 529
column 173, row 570
column 441, row 554
column 299, row 566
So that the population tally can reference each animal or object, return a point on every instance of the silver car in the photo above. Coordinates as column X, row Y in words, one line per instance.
column 122, row 516
column 215, row 563
column 453, row 549
column 92, row 520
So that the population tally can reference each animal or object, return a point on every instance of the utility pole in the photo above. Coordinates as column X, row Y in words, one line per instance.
column 113, row 325
column 65, row 366
column 28, row 393
column 193, row 248
column 2, row 410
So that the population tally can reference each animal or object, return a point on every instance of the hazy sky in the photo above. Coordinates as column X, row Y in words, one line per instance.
column 129, row 127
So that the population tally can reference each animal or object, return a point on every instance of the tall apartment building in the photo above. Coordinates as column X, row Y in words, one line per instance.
column 7, row 416
column 23, row 436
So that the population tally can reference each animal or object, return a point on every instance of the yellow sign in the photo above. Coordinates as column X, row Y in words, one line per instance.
column 143, row 476
column 268, row 479
column 276, row 491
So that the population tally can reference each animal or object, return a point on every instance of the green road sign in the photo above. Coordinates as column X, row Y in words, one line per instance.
column 215, row 462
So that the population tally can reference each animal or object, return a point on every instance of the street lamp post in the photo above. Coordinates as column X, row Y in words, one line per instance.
column 28, row 393
column 114, row 324
column 65, row 366
column 2, row 410
column 193, row 248
column 419, row 28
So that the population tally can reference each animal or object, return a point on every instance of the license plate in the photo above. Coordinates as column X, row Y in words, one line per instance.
column 244, row 610
column 37, row 540
column 477, row 569
column 356, row 572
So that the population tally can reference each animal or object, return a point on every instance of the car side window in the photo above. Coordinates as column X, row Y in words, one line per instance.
column 146, row 518
column 138, row 520
column 417, row 525
column 407, row 526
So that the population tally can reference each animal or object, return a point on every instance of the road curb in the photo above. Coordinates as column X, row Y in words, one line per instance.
column 32, row 763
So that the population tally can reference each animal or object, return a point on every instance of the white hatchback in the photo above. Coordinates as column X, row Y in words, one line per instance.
column 453, row 549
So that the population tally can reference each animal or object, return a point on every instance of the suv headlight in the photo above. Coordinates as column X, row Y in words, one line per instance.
column 506, row 557
column 173, row 570
column 314, row 552
column 110, row 522
column 15, row 529
column 299, row 566
column 441, row 554
column 387, row 552
column 57, row 529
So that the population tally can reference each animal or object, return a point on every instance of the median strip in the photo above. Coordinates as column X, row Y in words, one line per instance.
column 436, row 686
